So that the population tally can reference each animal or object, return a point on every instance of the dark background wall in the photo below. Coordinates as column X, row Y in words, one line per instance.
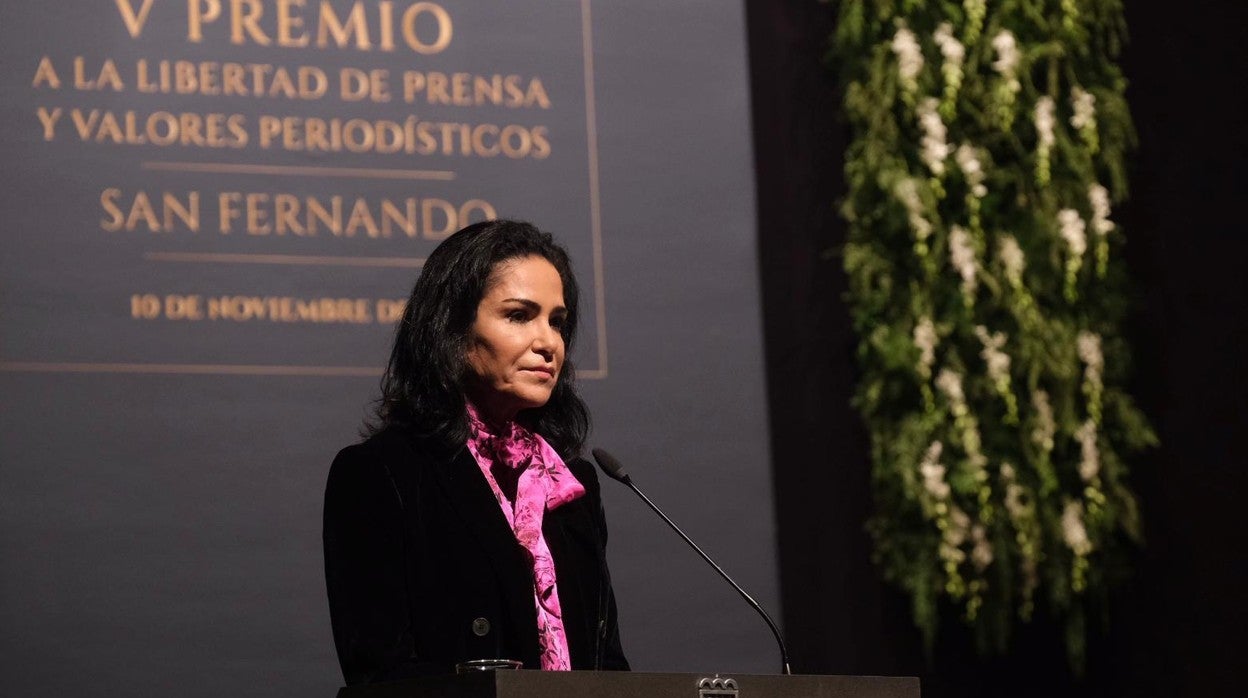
column 1177, row 627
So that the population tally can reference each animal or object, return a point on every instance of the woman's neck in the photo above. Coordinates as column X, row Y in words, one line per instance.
column 495, row 420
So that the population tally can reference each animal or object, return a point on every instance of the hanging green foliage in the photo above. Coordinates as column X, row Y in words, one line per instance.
column 986, row 289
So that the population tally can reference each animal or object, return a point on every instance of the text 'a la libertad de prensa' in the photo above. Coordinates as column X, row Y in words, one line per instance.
column 302, row 82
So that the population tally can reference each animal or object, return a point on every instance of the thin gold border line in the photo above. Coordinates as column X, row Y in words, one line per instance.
column 591, row 126
column 297, row 170
column 221, row 258
column 201, row 369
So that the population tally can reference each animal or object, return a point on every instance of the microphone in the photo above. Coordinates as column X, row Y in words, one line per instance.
column 615, row 470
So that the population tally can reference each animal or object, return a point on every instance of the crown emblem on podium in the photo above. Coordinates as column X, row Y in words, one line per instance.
column 717, row 688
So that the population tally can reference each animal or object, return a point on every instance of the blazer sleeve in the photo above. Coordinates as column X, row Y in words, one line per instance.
column 366, row 570
column 613, row 658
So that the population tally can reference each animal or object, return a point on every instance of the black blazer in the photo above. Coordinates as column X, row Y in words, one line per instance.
column 423, row 571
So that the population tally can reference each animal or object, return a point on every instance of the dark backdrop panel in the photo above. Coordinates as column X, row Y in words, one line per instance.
column 161, row 479
column 1177, row 628
column 684, row 405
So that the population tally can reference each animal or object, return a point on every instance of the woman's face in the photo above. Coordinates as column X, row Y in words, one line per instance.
column 515, row 345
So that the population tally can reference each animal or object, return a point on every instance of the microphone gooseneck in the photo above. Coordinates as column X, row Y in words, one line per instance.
column 615, row 470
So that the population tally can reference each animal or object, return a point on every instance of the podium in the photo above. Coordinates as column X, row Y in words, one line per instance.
column 626, row 684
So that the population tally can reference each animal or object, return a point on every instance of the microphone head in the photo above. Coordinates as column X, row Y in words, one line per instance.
column 610, row 465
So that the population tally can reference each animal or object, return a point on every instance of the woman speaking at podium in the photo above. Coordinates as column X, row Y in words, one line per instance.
column 465, row 527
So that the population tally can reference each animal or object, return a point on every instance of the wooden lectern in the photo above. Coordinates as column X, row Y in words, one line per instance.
column 625, row 684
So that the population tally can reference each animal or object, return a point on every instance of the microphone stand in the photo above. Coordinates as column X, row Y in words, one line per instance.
column 613, row 469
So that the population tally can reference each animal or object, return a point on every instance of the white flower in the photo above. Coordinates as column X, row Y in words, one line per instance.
column 1021, row 512
column 954, row 534
column 981, row 552
column 909, row 57
column 959, row 526
column 1012, row 258
column 950, row 552
column 962, row 256
column 935, row 149
column 1083, row 106
column 954, row 53
column 1014, row 505
column 1073, row 231
column 925, row 339
column 1045, row 120
column 1007, row 53
column 907, row 191
column 1007, row 472
column 1042, row 434
column 950, row 383
column 933, row 472
column 1089, row 346
column 997, row 361
column 1090, row 455
column 1098, row 196
column 950, row 48
column 972, row 169
column 1073, row 531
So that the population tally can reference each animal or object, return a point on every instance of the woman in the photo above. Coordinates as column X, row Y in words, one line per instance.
column 464, row 527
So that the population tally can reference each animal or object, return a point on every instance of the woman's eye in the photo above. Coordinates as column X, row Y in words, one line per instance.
column 517, row 316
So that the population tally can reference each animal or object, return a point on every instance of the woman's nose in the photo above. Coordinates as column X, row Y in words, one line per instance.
column 546, row 340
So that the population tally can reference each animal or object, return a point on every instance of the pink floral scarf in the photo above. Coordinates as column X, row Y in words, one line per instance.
column 527, row 478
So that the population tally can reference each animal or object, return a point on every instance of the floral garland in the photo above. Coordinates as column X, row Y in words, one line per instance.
column 985, row 286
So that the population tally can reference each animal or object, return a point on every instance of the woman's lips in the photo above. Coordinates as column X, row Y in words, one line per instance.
column 542, row 370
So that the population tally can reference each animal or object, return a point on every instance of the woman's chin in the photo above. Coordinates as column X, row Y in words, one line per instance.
column 534, row 402
column 505, row 407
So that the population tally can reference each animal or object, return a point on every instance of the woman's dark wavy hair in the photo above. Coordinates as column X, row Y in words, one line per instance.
column 423, row 386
